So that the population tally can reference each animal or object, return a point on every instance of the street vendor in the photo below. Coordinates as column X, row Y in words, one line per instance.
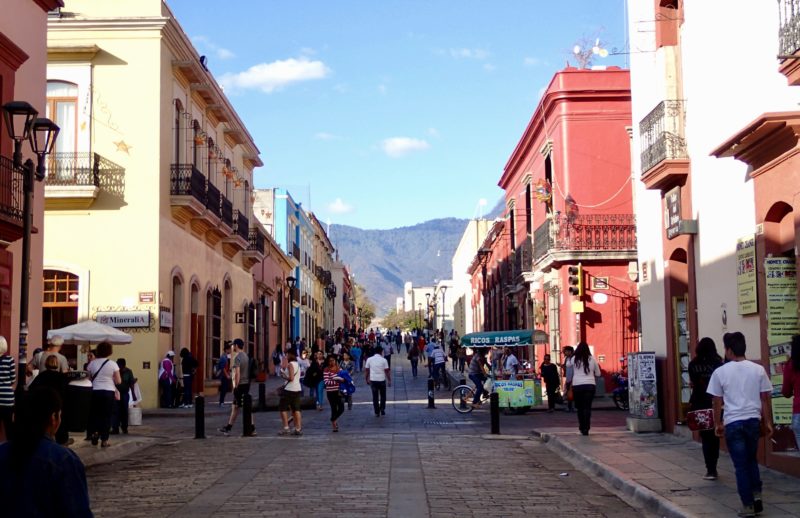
column 511, row 364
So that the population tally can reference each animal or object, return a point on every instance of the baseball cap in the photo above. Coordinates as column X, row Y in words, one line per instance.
column 238, row 342
column 170, row 353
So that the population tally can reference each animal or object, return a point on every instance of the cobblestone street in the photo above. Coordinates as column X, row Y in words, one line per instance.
column 413, row 462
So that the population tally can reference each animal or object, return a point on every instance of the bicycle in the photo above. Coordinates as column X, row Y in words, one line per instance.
column 463, row 396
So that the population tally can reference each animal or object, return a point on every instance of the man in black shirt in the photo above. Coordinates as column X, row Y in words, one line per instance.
column 549, row 373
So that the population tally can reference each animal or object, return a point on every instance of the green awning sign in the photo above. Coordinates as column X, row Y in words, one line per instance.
column 497, row 338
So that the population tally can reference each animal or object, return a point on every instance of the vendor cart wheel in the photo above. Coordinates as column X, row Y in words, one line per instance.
column 462, row 399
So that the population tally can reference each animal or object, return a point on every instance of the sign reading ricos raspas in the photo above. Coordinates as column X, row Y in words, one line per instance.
column 124, row 318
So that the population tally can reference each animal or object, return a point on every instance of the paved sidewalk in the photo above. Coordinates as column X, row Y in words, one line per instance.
column 663, row 473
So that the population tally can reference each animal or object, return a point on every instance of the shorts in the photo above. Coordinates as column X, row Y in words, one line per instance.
column 289, row 401
column 239, row 392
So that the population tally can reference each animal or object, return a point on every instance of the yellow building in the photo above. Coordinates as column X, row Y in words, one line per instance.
column 148, row 208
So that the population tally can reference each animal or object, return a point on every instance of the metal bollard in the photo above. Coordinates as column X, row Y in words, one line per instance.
column 262, row 397
column 430, row 393
column 199, row 417
column 247, row 415
column 494, row 410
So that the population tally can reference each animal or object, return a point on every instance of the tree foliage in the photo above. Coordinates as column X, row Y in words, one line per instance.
column 405, row 320
column 364, row 306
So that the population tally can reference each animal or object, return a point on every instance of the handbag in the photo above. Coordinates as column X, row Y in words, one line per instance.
column 699, row 420
column 570, row 394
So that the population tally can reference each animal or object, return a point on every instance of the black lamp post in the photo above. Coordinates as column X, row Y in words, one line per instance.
column 444, row 309
column 330, row 292
column 291, row 282
column 419, row 312
column 22, row 124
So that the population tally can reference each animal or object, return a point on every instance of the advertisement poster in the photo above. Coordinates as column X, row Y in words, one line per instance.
column 513, row 393
column 747, row 297
column 642, row 385
column 781, row 286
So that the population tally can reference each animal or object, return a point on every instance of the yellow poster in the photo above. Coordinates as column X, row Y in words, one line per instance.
column 781, row 406
column 780, row 275
column 747, row 295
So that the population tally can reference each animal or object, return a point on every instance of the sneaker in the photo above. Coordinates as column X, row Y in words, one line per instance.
column 758, row 504
column 383, row 412
column 225, row 429
column 284, row 432
column 747, row 511
column 297, row 432
column 252, row 434
column 710, row 476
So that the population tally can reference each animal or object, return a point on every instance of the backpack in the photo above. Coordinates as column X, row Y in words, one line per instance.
column 313, row 375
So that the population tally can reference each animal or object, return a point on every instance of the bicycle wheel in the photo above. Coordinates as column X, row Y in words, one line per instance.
column 462, row 399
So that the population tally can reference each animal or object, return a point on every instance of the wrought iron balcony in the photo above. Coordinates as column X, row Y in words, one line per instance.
column 789, row 30
column 662, row 134
column 213, row 200
column 227, row 212
column 523, row 257
column 11, row 198
column 74, row 169
column 241, row 226
column 585, row 233
column 256, row 239
column 186, row 180
column 74, row 180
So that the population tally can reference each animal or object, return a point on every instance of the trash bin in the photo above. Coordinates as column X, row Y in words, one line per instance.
column 76, row 407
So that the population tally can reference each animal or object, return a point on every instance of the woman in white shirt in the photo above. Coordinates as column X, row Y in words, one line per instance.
column 105, row 377
column 290, row 397
column 584, row 371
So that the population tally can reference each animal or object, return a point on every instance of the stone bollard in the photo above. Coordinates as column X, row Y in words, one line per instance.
column 430, row 393
column 247, row 415
column 494, row 409
column 199, row 417
column 262, row 397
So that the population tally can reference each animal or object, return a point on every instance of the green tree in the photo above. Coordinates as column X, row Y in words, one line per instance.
column 364, row 306
column 405, row 320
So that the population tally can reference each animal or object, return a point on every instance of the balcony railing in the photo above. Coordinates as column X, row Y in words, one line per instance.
column 241, row 226
column 73, row 169
column 11, row 194
column 590, row 232
column 296, row 251
column 256, row 241
column 523, row 257
column 227, row 212
column 789, row 31
column 186, row 180
column 662, row 134
column 213, row 200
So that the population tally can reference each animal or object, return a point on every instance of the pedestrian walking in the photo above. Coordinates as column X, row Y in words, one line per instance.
column 462, row 359
column 240, row 378
column 566, row 370
column 705, row 362
column 388, row 351
column 318, row 365
column 584, row 372
column 166, row 379
column 791, row 386
column 453, row 353
column 332, row 380
column 355, row 350
column 549, row 373
column 8, row 376
column 104, row 373
column 378, row 376
column 477, row 374
column 413, row 357
column 290, row 394
column 188, row 369
column 119, row 415
column 745, row 389
column 223, row 370
column 277, row 356
column 439, row 360
column 348, row 366
column 37, row 476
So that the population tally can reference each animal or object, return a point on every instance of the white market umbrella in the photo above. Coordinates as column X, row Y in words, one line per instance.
column 90, row 331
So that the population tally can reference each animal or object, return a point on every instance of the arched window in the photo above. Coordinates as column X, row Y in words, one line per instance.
column 214, row 331
column 177, row 312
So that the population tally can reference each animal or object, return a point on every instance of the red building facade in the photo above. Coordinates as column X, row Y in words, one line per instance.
column 569, row 219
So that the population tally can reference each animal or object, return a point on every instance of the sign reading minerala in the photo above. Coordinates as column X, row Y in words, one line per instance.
column 124, row 318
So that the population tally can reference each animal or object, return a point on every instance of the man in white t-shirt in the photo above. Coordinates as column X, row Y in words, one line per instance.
column 746, row 391
column 378, row 375
column 512, row 364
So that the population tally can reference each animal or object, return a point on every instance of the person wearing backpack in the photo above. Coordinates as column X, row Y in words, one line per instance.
column 277, row 357
column 223, row 372
column 240, row 377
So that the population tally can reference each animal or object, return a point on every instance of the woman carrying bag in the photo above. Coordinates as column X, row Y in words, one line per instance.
column 705, row 362
column 105, row 377
column 584, row 372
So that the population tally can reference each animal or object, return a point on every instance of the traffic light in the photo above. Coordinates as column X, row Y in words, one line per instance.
column 575, row 280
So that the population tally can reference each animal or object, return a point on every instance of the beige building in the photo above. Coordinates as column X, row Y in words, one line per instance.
column 461, row 293
column 148, row 201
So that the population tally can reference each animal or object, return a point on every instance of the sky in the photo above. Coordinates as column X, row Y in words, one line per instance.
column 387, row 113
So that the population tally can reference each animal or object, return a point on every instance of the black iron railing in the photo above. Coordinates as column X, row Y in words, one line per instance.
column 73, row 169
column 256, row 241
column 241, row 226
column 213, row 203
column 186, row 180
column 11, row 190
column 227, row 212
column 662, row 134
column 589, row 232
column 523, row 257
column 789, row 29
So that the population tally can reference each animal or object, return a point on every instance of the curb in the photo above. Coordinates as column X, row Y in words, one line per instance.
column 93, row 455
column 641, row 495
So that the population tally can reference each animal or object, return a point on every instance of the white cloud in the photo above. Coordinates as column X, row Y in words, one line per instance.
column 322, row 135
column 270, row 77
column 209, row 46
column 531, row 62
column 397, row 147
column 469, row 53
column 340, row 207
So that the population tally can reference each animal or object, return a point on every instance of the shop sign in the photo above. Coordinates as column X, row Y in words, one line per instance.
column 747, row 296
column 124, row 319
column 673, row 212
column 147, row 297
column 165, row 318
column 239, row 317
column 780, row 274
column 513, row 393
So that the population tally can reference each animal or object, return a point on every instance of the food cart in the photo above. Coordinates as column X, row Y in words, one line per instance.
column 518, row 394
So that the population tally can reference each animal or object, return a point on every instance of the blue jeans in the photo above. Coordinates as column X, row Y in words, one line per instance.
column 187, row 389
column 742, row 439
column 320, row 393
column 477, row 379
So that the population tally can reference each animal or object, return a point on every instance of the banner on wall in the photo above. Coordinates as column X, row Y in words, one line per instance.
column 747, row 296
column 780, row 274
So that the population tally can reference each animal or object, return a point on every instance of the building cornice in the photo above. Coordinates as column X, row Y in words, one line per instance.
column 10, row 54
column 49, row 5
column 84, row 53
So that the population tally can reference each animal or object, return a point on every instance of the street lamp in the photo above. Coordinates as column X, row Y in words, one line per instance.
column 291, row 282
column 22, row 124
column 330, row 291
column 444, row 308
column 419, row 320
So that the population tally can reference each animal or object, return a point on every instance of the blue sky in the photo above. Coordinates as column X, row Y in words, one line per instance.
column 387, row 113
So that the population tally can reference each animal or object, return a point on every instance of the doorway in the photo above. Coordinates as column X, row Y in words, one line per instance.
column 60, row 308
